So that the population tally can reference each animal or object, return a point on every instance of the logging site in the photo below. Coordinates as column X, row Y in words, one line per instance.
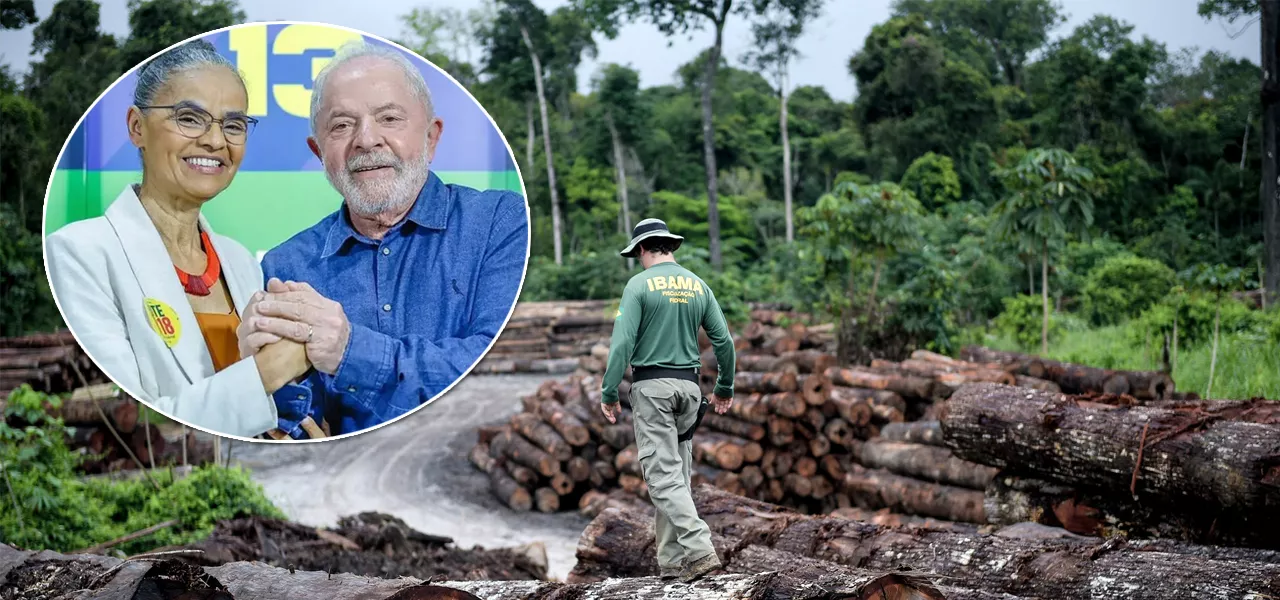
column 817, row 300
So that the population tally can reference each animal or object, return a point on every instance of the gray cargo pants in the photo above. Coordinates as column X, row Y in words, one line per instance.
column 661, row 409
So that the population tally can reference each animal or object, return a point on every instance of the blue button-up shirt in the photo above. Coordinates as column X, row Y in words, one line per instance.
column 424, row 302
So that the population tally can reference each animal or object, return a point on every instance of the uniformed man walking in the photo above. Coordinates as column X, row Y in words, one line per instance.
column 656, row 332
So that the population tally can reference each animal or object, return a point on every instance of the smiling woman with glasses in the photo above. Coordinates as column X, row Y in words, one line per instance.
column 149, row 290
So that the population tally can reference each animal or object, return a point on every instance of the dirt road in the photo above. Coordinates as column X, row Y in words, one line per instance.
column 417, row 469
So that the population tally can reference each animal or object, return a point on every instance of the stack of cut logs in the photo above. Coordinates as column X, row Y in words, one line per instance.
column 106, row 426
column 46, row 361
column 549, row 337
column 859, row 441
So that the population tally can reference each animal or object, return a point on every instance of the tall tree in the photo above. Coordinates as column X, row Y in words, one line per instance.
column 1267, row 12
column 1050, row 197
column 618, row 96
column 77, row 62
column 156, row 24
column 550, row 46
column 677, row 17
column 448, row 37
column 1009, row 30
column 776, row 32
column 915, row 96
column 16, row 14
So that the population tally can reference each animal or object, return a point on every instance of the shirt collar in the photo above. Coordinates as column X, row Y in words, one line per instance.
column 430, row 210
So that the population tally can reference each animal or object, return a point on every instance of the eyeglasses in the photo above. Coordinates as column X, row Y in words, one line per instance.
column 195, row 122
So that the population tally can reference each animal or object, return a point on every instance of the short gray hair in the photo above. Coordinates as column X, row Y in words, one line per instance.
column 155, row 73
column 358, row 49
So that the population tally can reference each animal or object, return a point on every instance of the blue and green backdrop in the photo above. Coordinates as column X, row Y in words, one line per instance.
column 280, row 188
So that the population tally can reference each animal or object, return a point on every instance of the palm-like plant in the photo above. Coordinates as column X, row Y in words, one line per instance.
column 1050, row 196
column 1220, row 280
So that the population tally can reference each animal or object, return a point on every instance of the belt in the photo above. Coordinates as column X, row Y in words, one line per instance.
column 643, row 373
column 691, row 374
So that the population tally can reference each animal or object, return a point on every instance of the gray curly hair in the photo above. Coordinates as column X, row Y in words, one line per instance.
column 358, row 49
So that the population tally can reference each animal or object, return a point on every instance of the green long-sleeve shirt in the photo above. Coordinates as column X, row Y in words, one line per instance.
column 657, row 326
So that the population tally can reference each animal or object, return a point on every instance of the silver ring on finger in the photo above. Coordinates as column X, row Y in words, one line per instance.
column 310, row 331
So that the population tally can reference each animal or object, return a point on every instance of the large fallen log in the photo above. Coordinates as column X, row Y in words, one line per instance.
column 618, row 530
column 1010, row 499
column 886, row 518
column 1039, row 567
column 1188, row 459
column 776, row 584
column 929, row 463
column 877, row 488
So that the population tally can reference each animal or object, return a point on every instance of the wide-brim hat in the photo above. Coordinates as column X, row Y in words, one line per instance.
column 646, row 229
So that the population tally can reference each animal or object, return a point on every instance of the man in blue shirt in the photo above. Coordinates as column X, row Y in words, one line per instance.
column 400, row 291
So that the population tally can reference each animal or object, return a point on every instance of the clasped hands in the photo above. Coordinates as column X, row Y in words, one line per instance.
column 295, row 312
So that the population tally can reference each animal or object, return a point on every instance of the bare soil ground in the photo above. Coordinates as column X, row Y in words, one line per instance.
column 417, row 469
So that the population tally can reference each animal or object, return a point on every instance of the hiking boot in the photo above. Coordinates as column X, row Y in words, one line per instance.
column 668, row 573
column 695, row 570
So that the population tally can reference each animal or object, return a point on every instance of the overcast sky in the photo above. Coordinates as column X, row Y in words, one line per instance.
column 827, row 44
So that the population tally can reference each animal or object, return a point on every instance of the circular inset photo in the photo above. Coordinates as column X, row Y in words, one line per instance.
column 286, row 231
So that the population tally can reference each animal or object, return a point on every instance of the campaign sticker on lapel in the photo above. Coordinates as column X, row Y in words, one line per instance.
column 164, row 321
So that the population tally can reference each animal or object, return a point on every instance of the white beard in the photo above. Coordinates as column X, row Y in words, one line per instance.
column 371, row 198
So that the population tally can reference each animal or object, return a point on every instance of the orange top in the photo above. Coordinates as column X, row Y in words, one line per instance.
column 220, row 336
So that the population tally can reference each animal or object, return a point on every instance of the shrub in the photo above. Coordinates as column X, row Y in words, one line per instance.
column 1195, row 319
column 1124, row 286
column 1022, row 321
column 46, row 505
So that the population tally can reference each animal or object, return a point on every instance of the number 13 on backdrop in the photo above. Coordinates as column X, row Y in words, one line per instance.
column 256, row 50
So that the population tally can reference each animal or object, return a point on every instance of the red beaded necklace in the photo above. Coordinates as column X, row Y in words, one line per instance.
column 200, row 285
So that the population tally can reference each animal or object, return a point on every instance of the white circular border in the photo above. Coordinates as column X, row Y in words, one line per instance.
column 44, row 219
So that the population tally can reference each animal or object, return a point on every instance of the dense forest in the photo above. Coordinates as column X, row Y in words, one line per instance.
column 1000, row 178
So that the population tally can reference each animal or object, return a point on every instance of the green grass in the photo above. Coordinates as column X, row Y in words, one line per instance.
column 1248, row 365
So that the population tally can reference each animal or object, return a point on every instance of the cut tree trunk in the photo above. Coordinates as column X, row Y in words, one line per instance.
column 814, row 388
column 519, row 450
column 730, row 425
column 764, row 382
column 905, row 385
column 929, row 463
column 1178, row 458
column 811, row 361
column 1078, row 379
column 1012, row 499
column 542, row 435
column 877, row 488
column 764, row 363
column 547, row 500
column 786, row 404
column 1066, row 569
column 721, row 454
column 569, row 426
column 915, row 432
column 751, row 451
column 750, row 408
